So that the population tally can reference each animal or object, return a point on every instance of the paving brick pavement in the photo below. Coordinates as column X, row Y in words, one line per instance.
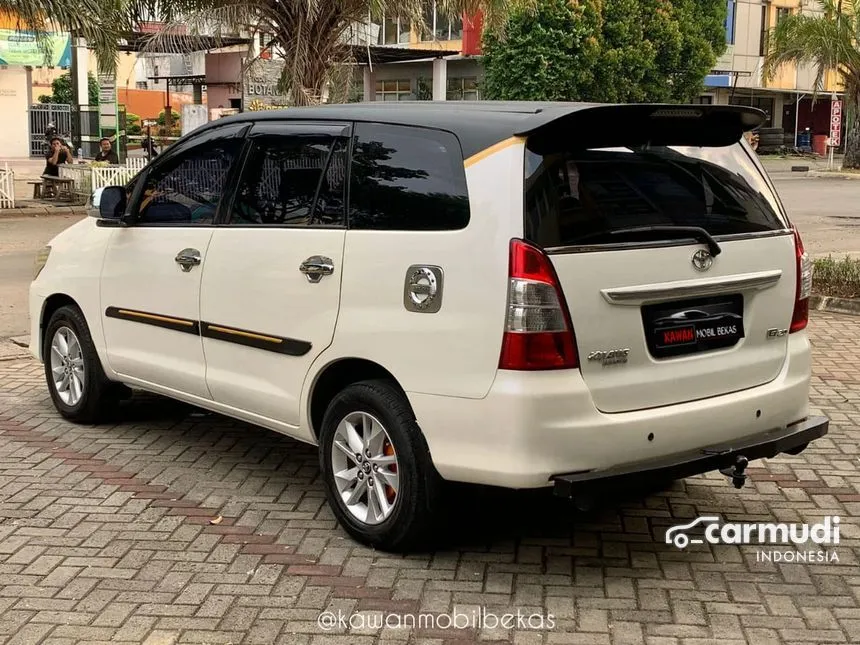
column 106, row 537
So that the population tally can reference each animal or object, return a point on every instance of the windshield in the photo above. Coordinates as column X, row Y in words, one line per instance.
column 582, row 197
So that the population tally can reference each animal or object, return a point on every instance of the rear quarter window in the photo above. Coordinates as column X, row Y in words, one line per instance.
column 591, row 197
column 407, row 179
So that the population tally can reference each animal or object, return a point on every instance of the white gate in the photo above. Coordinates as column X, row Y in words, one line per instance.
column 7, row 187
column 112, row 176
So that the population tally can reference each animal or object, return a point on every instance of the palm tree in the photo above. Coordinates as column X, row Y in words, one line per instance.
column 829, row 41
column 310, row 35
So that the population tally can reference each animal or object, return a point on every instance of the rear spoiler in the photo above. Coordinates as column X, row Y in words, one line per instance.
column 607, row 126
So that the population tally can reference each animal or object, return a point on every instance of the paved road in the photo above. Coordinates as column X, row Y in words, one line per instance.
column 105, row 537
column 20, row 239
column 824, row 209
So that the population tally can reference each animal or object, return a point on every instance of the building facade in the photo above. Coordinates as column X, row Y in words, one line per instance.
column 445, row 64
column 787, row 99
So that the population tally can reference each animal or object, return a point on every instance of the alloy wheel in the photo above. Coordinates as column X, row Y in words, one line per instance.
column 365, row 469
column 67, row 366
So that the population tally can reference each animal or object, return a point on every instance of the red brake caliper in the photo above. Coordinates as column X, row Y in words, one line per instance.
column 388, row 451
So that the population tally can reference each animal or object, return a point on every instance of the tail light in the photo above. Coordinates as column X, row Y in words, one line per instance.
column 800, row 317
column 538, row 332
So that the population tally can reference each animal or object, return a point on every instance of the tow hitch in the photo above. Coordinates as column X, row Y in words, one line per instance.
column 737, row 472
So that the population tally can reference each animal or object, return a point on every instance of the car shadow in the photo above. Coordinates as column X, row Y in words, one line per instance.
column 474, row 518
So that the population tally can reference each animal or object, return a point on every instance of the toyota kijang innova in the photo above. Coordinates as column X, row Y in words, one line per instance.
column 520, row 295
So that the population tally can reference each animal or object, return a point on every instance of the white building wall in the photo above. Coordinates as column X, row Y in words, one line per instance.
column 15, row 101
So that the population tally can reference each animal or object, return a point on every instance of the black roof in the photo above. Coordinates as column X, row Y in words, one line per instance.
column 480, row 124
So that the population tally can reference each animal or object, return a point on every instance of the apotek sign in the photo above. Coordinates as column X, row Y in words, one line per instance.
column 836, row 123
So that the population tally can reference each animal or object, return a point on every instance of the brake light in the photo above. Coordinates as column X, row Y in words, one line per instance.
column 538, row 332
column 800, row 317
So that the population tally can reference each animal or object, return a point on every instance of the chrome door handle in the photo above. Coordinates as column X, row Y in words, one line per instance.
column 316, row 266
column 188, row 258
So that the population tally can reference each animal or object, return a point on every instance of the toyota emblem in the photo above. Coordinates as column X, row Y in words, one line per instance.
column 702, row 260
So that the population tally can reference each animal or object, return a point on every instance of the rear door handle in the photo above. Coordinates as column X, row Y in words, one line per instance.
column 316, row 266
column 188, row 258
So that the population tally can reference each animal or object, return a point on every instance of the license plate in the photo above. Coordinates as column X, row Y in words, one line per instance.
column 693, row 326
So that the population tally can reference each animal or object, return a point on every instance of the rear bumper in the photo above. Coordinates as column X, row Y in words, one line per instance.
column 534, row 426
column 723, row 455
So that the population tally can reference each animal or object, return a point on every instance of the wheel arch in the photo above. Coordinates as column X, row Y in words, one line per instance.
column 51, row 304
column 334, row 377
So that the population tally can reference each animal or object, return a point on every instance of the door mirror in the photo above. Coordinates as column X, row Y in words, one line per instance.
column 111, row 206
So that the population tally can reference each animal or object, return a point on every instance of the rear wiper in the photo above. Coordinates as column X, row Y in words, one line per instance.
column 678, row 231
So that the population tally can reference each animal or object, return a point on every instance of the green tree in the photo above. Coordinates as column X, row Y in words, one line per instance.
column 597, row 50
column 532, row 60
column 829, row 41
column 61, row 90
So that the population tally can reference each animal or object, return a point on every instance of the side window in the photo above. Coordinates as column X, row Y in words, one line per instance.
column 186, row 189
column 407, row 179
column 292, row 180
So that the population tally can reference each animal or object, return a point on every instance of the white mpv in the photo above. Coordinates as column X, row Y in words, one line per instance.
column 509, row 294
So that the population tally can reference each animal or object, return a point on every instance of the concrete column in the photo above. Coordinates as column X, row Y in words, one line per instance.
column 80, row 68
column 369, row 84
column 778, row 104
column 440, row 79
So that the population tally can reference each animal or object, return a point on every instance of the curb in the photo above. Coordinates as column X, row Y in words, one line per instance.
column 832, row 174
column 43, row 211
column 835, row 305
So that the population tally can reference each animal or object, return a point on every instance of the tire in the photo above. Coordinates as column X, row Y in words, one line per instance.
column 97, row 397
column 414, row 508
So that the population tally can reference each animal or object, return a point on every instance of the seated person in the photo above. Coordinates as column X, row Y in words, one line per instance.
column 58, row 154
column 106, row 153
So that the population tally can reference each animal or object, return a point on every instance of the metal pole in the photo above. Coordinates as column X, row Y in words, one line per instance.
column 76, row 114
column 797, row 118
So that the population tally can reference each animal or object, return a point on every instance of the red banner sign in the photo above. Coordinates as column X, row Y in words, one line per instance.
column 835, row 123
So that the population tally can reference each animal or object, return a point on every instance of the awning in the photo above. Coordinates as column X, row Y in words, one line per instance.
column 138, row 41
column 379, row 54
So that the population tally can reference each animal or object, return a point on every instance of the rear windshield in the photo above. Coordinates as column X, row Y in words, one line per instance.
column 595, row 196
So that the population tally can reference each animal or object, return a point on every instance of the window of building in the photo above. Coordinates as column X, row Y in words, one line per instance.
column 141, row 85
column 408, row 179
column 782, row 13
column 765, row 28
column 704, row 99
column 463, row 89
column 439, row 25
column 392, row 31
column 730, row 21
column 187, row 188
column 292, row 181
column 400, row 90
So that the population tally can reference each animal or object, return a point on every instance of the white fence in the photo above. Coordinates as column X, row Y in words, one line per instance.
column 7, row 187
column 88, row 178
